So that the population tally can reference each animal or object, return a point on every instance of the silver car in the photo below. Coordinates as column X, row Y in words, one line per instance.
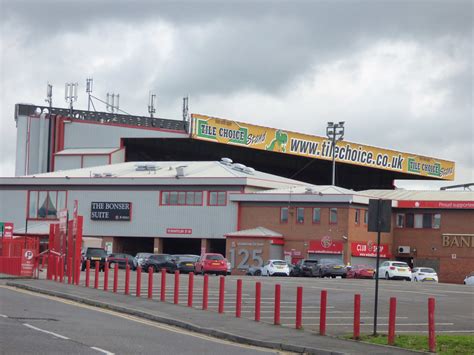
column 140, row 258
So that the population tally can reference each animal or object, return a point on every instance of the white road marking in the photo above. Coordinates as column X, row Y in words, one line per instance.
column 102, row 350
column 3, row 316
column 46, row 331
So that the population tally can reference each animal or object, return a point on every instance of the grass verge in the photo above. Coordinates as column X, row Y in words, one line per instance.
column 445, row 344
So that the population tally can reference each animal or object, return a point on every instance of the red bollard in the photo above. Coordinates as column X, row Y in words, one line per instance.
column 276, row 317
column 356, row 317
column 49, row 272
column 205, row 291
column 106, row 276
column 61, row 269
column 258, row 295
column 163, row 286
column 88, row 270
column 299, row 307
column 127, row 279
column 139, row 282
column 322, row 315
column 238, row 300
column 116, row 269
column 391, row 321
column 56, row 268
column 69, row 271
column 150, row 282
column 76, row 272
column 96, row 279
column 176, row 287
column 190, row 289
column 431, row 325
column 221, row 294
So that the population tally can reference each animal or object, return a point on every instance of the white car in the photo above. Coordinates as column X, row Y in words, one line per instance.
column 424, row 274
column 394, row 270
column 469, row 280
column 229, row 268
column 275, row 267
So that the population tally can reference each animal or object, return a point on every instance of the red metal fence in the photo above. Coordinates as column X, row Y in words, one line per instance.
column 11, row 253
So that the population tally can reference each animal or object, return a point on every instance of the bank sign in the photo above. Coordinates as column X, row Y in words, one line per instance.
column 257, row 137
column 111, row 211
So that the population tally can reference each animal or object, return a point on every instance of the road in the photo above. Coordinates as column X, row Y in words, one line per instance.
column 37, row 324
column 454, row 303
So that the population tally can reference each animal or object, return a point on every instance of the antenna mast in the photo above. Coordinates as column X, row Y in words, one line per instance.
column 151, row 103
column 112, row 103
column 70, row 94
column 185, row 108
column 89, row 85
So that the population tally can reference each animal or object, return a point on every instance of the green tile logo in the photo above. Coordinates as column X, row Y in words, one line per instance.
column 413, row 166
column 432, row 169
column 206, row 131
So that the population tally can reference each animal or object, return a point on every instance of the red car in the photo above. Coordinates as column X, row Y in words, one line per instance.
column 211, row 263
column 360, row 272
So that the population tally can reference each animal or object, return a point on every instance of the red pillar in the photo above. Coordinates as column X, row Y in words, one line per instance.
column 205, row 291
column 150, row 282
column 190, row 289
column 356, row 317
column 431, row 325
column 322, row 315
column 391, row 320
column 116, row 270
column 238, row 300
column 139, row 282
column 56, row 268
column 163, row 286
column 69, row 271
column 221, row 293
column 106, row 276
column 276, row 318
column 258, row 295
column 299, row 307
column 88, row 270
column 61, row 269
column 127, row 279
column 176, row 287
column 96, row 279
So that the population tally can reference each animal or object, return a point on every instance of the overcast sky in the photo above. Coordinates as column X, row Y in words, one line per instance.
column 400, row 73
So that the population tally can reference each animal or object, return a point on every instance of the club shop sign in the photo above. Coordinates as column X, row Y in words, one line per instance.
column 111, row 211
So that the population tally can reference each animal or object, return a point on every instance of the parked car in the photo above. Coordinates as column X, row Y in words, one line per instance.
column 424, row 274
column 254, row 271
column 94, row 254
column 291, row 267
column 185, row 263
column 229, row 268
column 121, row 260
column 394, row 270
column 469, row 279
column 276, row 268
column 305, row 267
column 211, row 263
column 160, row 261
column 331, row 268
column 360, row 272
column 141, row 257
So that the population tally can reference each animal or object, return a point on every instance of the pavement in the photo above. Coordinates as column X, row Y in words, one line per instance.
column 210, row 323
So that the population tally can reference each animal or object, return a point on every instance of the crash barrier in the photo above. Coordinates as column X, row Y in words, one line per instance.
column 57, row 268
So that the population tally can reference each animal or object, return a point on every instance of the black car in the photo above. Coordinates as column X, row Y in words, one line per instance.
column 94, row 254
column 160, row 261
column 185, row 263
column 331, row 268
column 305, row 267
column 121, row 260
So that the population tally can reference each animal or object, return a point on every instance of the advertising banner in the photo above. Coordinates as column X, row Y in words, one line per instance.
column 325, row 246
column 7, row 230
column 179, row 231
column 437, row 204
column 276, row 140
column 369, row 249
column 111, row 211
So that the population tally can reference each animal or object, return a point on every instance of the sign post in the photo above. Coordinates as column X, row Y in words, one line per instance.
column 380, row 213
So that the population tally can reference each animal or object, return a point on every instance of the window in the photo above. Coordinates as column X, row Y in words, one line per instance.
column 316, row 215
column 45, row 204
column 300, row 215
column 409, row 220
column 333, row 215
column 366, row 216
column 436, row 220
column 418, row 221
column 400, row 220
column 284, row 215
column 217, row 198
column 181, row 198
column 427, row 220
column 357, row 217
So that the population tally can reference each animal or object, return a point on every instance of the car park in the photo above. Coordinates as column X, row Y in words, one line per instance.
column 330, row 268
column 469, row 279
column 121, row 260
column 159, row 262
column 360, row 272
column 276, row 268
column 94, row 254
column 424, row 274
column 394, row 270
column 305, row 267
column 141, row 257
column 185, row 263
column 211, row 263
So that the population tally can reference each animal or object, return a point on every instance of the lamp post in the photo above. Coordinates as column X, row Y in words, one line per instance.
column 334, row 132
